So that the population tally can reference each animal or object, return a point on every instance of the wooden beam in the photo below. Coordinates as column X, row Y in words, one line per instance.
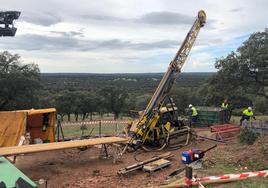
column 16, row 150
column 140, row 165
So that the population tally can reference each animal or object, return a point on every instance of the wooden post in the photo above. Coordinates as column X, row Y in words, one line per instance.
column 189, row 176
column 116, row 128
column 100, row 128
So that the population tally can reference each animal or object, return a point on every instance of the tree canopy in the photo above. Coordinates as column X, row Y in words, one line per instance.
column 242, row 74
column 18, row 82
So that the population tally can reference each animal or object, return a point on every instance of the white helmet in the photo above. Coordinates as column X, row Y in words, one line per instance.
column 249, row 108
column 190, row 105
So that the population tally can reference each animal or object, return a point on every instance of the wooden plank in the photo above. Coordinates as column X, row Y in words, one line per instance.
column 16, row 150
column 140, row 165
column 156, row 165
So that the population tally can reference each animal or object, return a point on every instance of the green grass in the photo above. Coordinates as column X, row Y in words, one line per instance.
column 108, row 129
column 236, row 119
column 75, row 131
column 107, row 116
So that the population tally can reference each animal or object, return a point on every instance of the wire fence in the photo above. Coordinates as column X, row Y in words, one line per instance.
column 94, row 128
column 257, row 126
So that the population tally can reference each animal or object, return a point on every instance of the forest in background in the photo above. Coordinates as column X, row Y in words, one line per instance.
column 242, row 78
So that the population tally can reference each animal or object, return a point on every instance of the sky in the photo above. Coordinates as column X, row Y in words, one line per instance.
column 128, row 36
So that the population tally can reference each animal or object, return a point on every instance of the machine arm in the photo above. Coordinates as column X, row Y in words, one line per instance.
column 173, row 70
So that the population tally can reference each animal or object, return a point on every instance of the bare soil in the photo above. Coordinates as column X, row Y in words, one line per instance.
column 74, row 168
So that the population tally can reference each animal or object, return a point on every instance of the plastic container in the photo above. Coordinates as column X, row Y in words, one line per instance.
column 187, row 157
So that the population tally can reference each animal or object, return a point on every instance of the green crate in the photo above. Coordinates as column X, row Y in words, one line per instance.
column 211, row 115
column 9, row 174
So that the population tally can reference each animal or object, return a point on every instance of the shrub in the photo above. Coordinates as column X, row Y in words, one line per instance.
column 247, row 136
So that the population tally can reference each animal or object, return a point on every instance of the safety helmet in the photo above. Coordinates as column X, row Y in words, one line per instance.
column 190, row 105
column 249, row 108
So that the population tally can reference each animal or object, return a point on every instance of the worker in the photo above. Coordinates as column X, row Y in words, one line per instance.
column 194, row 114
column 225, row 104
column 247, row 114
column 227, row 111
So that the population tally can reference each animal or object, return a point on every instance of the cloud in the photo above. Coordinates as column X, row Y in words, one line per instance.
column 158, row 44
column 67, row 42
column 236, row 9
column 200, row 62
column 152, row 18
column 99, row 17
column 40, row 18
column 165, row 18
column 125, row 35
column 68, row 34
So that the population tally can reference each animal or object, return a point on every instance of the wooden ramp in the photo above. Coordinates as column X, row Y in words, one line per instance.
column 16, row 150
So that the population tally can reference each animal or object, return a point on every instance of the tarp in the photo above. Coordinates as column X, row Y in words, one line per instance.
column 12, row 127
column 14, row 124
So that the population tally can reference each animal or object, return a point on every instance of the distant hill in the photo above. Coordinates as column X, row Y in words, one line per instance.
column 124, row 74
column 130, row 81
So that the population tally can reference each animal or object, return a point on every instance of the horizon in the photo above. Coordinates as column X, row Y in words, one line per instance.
column 119, row 73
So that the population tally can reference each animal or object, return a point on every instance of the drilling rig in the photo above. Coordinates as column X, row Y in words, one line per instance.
column 158, row 123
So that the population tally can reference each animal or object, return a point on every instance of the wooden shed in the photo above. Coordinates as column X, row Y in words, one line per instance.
column 37, row 123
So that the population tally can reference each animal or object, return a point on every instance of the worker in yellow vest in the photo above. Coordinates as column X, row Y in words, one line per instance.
column 227, row 111
column 247, row 114
column 225, row 104
column 194, row 114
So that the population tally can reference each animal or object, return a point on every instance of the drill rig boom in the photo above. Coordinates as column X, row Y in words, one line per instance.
column 150, row 116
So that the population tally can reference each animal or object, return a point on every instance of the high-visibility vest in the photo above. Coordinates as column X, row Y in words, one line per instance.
column 194, row 111
column 248, row 113
column 225, row 106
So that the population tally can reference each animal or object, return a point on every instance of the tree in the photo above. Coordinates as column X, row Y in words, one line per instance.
column 142, row 101
column 182, row 97
column 86, row 103
column 19, row 82
column 115, row 100
column 64, row 102
column 254, row 63
column 242, row 75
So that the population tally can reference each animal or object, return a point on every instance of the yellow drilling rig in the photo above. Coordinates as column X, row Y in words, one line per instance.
column 158, row 124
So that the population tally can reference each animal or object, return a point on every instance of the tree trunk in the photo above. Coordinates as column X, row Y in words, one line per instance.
column 76, row 116
column 116, row 115
column 69, row 117
column 84, row 116
column 91, row 115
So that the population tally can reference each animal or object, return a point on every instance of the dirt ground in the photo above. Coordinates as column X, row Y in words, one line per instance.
column 74, row 168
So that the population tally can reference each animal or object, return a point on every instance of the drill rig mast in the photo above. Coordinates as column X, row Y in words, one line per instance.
column 150, row 127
